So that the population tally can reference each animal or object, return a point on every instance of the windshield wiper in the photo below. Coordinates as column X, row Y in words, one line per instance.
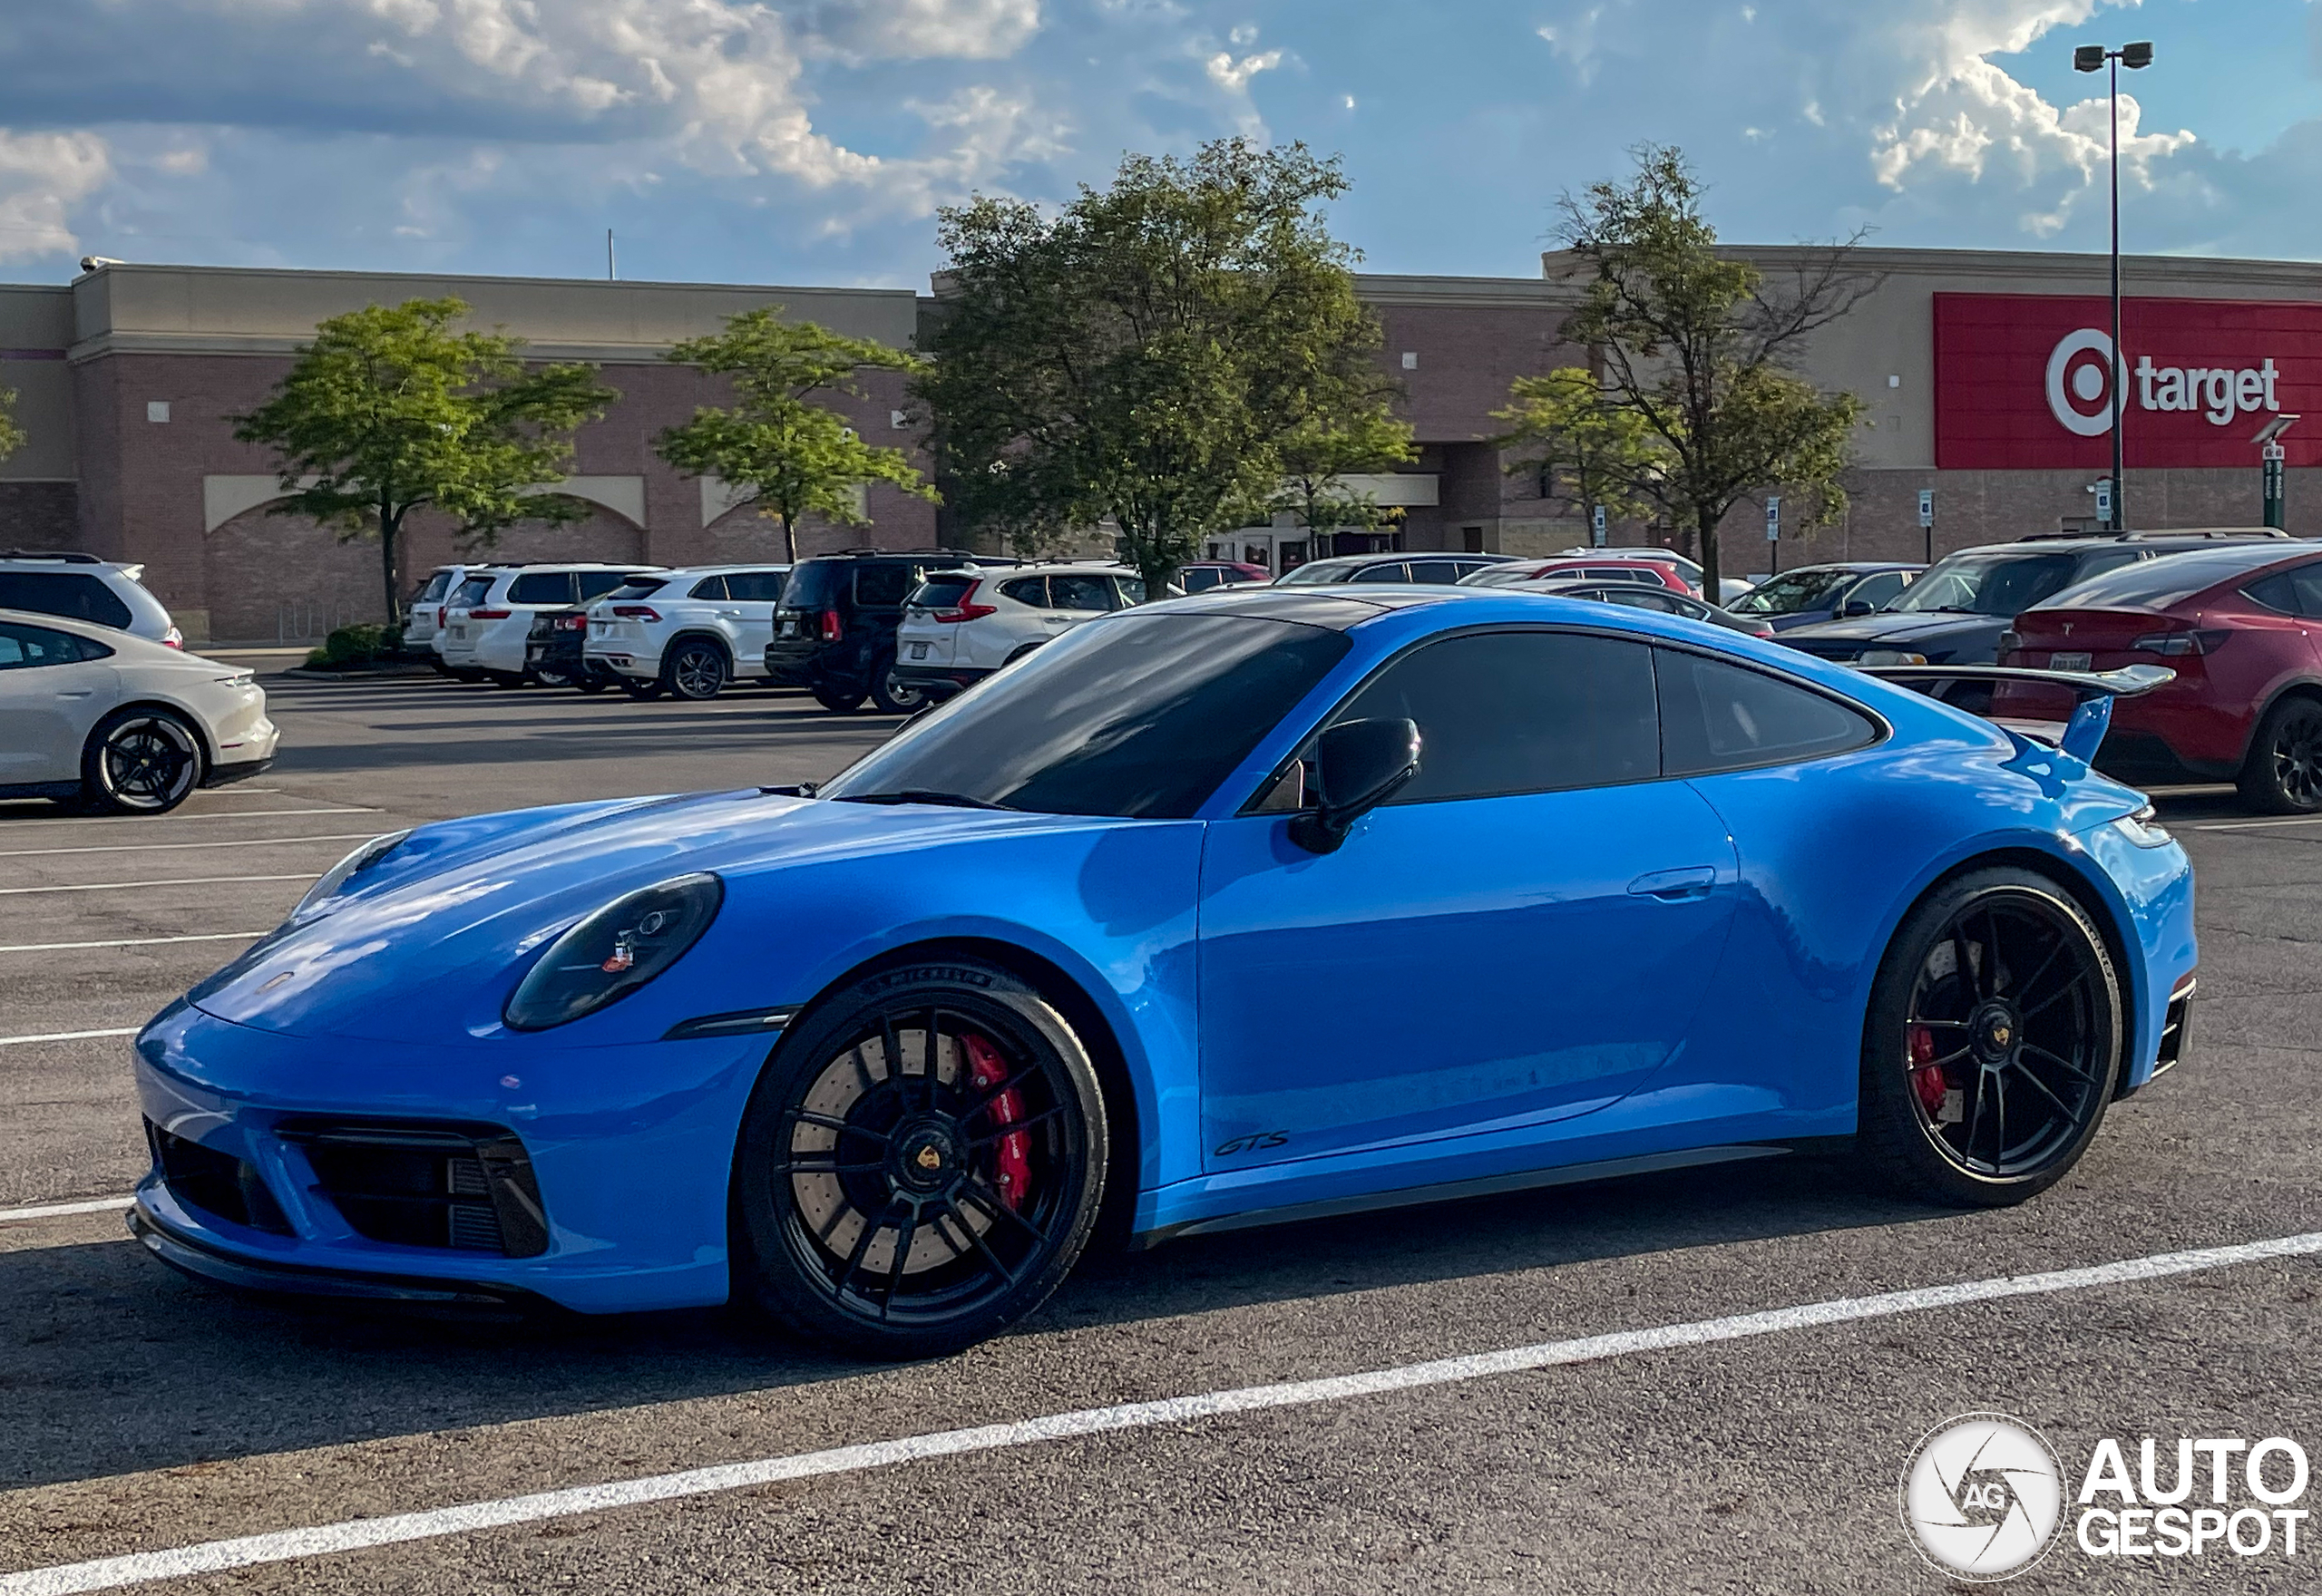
column 1946, row 610
column 923, row 795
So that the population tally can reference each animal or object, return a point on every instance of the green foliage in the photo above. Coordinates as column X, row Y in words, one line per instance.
column 1697, row 405
column 12, row 436
column 798, row 457
column 1589, row 453
column 1357, row 440
column 1144, row 357
column 389, row 409
column 352, row 647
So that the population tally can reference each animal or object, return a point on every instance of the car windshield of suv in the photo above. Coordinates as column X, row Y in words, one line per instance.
column 1986, row 584
column 818, row 584
column 1140, row 716
column 1792, row 593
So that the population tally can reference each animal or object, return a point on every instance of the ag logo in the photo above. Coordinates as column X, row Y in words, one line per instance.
column 1981, row 1496
column 2082, row 371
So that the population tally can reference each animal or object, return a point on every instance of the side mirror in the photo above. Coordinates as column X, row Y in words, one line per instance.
column 1854, row 606
column 1359, row 766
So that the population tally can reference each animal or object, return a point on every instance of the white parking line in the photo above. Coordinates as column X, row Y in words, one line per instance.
column 2246, row 825
column 163, row 847
column 181, row 881
column 127, row 942
column 68, row 1036
column 132, row 820
column 60, row 1209
column 107, row 1574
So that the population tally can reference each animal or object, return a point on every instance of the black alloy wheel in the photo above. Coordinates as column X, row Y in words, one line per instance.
column 2283, row 774
column 695, row 670
column 893, row 695
column 922, row 1163
column 140, row 762
column 552, row 678
column 1993, row 1042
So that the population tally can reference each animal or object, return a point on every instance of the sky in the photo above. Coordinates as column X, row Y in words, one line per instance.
column 812, row 141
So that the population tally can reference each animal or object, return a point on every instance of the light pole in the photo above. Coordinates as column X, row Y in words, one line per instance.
column 2091, row 58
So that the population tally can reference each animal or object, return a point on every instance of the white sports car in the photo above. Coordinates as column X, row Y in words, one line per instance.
column 121, row 722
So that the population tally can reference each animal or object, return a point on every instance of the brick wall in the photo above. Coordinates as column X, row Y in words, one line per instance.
column 40, row 515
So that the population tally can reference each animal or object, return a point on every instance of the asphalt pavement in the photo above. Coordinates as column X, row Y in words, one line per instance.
column 143, row 1414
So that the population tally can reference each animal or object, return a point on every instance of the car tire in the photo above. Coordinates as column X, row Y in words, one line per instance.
column 464, row 674
column 696, row 671
column 504, row 678
column 2283, row 774
column 894, row 696
column 888, row 1211
column 590, row 683
column 839, row 700
column 643, row 692
column 1984, row 965
column 140, row 762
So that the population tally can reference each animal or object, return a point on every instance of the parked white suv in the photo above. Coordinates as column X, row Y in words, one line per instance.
column 423, row 616
column 960, row 625
column 81, row 587
column 490, row 614
column 687, row 631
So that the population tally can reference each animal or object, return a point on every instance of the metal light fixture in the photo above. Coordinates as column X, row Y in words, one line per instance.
column 2269, row 444
column 2094, row 58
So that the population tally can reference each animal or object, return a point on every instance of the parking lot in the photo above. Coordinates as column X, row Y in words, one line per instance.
column 144, row 1413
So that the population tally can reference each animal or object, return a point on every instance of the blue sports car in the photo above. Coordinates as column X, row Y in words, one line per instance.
column 1244, row 908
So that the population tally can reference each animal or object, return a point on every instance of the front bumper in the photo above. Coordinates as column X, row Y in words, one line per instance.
column 627, row 1151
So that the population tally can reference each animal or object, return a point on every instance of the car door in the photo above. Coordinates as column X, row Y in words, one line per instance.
column 54, row 688
column 1522, row 934
column 1074, row 596
column 751, row 596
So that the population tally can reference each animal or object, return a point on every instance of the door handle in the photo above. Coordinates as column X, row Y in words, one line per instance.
column 75, row 693
column 1676, row 886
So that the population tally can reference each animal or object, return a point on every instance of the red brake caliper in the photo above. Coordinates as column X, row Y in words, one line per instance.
column 1012, row 1153
column 1926, row 1076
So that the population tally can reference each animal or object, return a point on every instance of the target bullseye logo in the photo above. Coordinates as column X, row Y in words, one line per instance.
column 1982, row 1496
column 2082, row 370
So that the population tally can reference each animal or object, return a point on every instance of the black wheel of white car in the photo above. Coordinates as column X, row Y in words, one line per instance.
column 892, row 695
column 1993, row 1042
column 695, row 670
column 921, row 1162
column 140, row 762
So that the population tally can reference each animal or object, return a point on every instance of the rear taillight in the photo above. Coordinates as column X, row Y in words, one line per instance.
column 966, row 609
column 831, row 629
column 439, row 615
column 2176, row 645
column 637, row 612
column 173, row 639
column 490, row 614
column 574, row 623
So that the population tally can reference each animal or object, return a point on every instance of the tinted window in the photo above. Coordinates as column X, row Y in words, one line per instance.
column 1988, row 584
column 595, row 584
column 1641, row 597
column 1520, row 712
column 755, row 587
column 542, row 587
column 435, row 589
column 1200, row 579
column 1393, row 572
column 1031, row 590
column 1132, row 589
column 1437, row 570
column 1082, row 593
column 2096, row 565
column 1143, row 716
column 471, row 592
column 2297, row 591
column 83, row 598
column 1321, row 571
column 1717, row 716
column 639, row 588
column 708, row 588
column 1879, row 590
column 817, row 584
column 1796, row 592
column 22, row 647
column 2156, row 584
column 880, row 584
column 941, row 592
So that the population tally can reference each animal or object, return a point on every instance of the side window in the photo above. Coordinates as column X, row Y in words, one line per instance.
column 1716, row 717
column 595, row 584
column 66, row 593
column 470, row 592
column 2297, row 591
column 1878, row 591
column 24, row 647
column 1502, row 712
column 708, row 588
column 753, row 587
column 1435, row 571
column 1637, row 597
column 883, row 584
column 1390, row 572
column 1198, row 579
column 542, row 587
column 1080, row 593
column 2096, row 565
column 1132, row 589
column 1031, row 590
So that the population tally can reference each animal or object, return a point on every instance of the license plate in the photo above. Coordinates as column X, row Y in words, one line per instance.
column 459, row 631
column 2067, row 662
column 790, row 628
column 919, row 651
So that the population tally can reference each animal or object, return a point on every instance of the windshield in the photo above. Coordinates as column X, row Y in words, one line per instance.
column 1792, row 593
column 1314, row 573
column 816, row 584
column 1986, row 584
column 1136, row 715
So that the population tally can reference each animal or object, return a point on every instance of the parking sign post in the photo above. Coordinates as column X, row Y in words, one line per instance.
column 1596, row 532
column 1926, row 520
column 1773, row 530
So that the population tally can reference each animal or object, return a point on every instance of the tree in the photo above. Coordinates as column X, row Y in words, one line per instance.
column 12, row 436
column 797, row 457
column 1319, row 456
column 1589, row 454
column 1146, row 354
column 390, row 409
column 1697, row 352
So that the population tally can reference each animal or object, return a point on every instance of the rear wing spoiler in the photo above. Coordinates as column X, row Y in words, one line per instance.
column 2093, row 691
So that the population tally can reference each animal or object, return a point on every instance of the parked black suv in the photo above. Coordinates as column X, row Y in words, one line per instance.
column 835, row 630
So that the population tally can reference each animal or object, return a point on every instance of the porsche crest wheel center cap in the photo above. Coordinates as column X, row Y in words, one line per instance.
column 926, row 1157
column 1995, row 1031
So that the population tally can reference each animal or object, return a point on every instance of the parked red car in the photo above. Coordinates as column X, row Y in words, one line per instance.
column 2240, row 625
column 1567, row 568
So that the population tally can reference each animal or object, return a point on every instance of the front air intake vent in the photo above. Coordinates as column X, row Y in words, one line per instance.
column 216, row 1183
column 464, row 1188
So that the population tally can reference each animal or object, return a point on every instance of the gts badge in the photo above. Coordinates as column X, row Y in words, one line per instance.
column 1256, row 1142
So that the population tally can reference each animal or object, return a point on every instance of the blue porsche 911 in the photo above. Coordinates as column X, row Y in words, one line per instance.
column 1227, row 910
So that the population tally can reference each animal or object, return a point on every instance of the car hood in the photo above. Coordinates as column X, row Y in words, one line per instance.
column 1900, row 629
column 431, row 942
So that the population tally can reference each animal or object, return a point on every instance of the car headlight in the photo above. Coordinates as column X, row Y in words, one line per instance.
column 2143, row 828
column 1889, row 656
column 614, row 951
column 334, row 880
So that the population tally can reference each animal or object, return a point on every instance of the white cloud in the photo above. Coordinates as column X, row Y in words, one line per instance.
column 42, row 177
column 918, row 30
column 1233, row 77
